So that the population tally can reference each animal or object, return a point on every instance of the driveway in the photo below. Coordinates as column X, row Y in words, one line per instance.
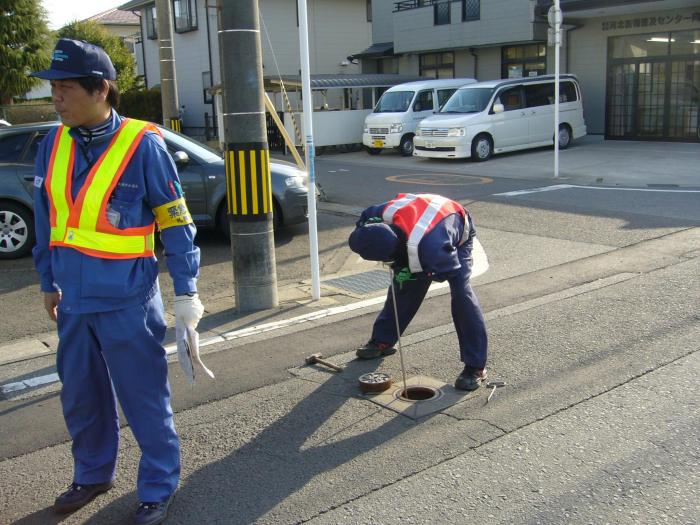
column 590, row 160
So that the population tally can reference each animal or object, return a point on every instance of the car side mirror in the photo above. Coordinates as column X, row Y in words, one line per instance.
column 181, row 158
column 498, row 108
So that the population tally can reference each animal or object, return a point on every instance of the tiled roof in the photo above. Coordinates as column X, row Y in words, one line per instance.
column 115, row 17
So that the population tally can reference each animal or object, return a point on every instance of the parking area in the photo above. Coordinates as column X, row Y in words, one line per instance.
column 590, row 160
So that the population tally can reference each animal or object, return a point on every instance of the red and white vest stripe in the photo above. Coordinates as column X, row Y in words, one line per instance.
column 416, row 215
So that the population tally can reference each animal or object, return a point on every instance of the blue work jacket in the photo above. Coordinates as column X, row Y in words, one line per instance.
column 93, row 284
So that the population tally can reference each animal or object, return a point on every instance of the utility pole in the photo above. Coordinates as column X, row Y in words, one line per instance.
column 246, row 152
column 168, row 80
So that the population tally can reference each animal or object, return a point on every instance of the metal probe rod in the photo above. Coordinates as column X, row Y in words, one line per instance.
column 398, row 331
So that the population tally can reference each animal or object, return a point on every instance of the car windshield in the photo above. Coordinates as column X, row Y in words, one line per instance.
column 191, row 147
column 394, row 102
column 467, row 100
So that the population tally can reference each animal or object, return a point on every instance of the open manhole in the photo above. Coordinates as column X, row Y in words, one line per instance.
column 417, row 393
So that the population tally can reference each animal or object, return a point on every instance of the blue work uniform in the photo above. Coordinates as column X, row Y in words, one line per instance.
column 444, row 255
column 111, row 321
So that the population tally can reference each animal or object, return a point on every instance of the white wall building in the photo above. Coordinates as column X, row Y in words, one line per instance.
column 336, row 28
column 638, row 61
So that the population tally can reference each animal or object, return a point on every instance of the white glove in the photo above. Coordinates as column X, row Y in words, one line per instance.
column 188, row 352
column 188, row 310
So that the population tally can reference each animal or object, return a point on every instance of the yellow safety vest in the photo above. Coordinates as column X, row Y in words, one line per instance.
column 82, row 224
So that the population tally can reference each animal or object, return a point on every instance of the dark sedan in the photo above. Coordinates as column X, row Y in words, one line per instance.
column 201, row 171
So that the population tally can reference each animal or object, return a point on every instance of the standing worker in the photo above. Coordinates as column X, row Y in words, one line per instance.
column 102, row 183
column 424, row 237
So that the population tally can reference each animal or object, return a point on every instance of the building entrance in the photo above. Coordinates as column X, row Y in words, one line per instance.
column 653, row 90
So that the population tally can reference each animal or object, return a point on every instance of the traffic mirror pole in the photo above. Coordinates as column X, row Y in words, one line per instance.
column 309, row 137
column 246, row 153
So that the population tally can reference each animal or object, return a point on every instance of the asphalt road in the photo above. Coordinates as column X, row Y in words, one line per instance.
column 591, row 303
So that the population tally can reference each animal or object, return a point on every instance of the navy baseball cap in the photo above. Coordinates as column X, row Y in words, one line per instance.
column 374, row 242
column 75, row 59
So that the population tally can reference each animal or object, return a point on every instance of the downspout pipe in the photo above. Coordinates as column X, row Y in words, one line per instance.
column 143, row 49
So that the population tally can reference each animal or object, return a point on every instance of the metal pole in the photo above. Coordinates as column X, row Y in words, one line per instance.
column 246, row 152
column 309, row 134
column 168, row 78
column 557, row 46
column 398, row 330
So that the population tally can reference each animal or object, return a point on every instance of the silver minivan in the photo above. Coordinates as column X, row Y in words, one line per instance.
column 394, row 119
column 502, row 115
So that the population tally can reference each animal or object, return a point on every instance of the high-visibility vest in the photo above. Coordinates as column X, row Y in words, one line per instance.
column 416, row 215
column 82, row 224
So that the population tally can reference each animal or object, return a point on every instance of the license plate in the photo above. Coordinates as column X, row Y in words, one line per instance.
column 378, row 143
column 429, row 145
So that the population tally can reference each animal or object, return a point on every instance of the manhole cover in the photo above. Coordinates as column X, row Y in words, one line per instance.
column 362, row 283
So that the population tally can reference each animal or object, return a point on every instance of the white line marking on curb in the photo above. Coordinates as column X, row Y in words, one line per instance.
column 28, row 383
column 569, row 186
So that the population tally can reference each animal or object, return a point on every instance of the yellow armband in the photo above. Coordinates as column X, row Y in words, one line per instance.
column 173, row 213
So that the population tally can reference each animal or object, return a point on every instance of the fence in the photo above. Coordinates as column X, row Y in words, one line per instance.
column 26, row 113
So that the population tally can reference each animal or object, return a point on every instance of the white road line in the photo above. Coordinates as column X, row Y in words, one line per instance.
column 481, row 265
column 568, row 186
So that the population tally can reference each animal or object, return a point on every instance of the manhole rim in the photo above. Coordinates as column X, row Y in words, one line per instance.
column 437, row 393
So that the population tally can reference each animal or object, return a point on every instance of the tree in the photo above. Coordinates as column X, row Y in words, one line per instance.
column 94, row 33
column 25, row 46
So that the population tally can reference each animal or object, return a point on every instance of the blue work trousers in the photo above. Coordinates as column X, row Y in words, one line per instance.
column 103, row 353
column 466, row 312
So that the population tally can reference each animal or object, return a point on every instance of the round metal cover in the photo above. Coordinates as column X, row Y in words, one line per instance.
column 374, row 382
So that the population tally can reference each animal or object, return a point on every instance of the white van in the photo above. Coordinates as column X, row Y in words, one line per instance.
column 502, row 115
column 393, row 122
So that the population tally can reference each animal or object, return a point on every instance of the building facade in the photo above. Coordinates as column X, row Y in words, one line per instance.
column 638, row 61
column 336, row 28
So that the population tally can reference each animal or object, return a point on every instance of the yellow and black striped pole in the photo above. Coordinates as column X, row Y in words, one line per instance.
column 249, row 196
column 176, row 125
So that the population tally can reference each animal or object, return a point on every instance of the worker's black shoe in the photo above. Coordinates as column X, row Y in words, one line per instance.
column 470, row 378
column 78, row 496
column 152, row 513
column 372, row 350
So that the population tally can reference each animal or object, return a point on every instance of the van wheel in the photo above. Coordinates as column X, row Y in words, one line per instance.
column 16, row 230
column 482, row 148
column 374, row 151
column 406, row 146
column 564, row 136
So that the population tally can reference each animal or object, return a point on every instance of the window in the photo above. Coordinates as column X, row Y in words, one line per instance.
column 11, row 147
column 437, row 65
column 441, row 13
column 471, row 10
column 424, row 101
column 151, row 23
column 539, row 94
column 185, row 15
column 511, row 98
column 444, row 95
column 33, row 149
column 524, row 61
column 369, row 10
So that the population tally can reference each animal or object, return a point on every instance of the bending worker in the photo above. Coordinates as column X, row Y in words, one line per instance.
column 424, row 237
column 102, row 183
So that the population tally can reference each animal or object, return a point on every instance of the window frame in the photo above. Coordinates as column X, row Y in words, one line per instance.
column 444, row 7
column 473, row 17
column 439, row 64
column 429, row 93
column 151, row 23
column 524, row 60
column 191, row 16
